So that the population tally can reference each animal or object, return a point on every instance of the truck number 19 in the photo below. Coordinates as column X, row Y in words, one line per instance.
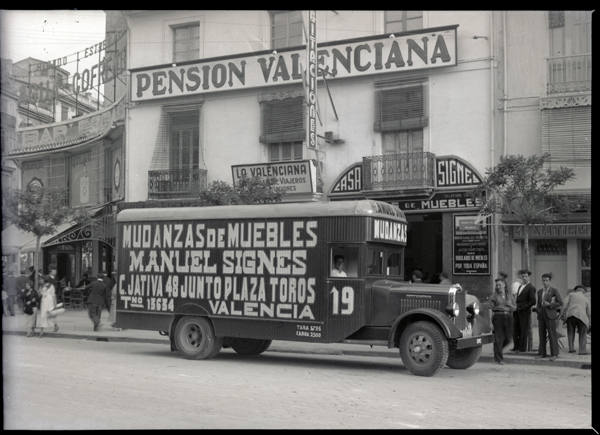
column 346, row 302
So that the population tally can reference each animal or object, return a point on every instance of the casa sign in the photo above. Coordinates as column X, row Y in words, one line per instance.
column 425, row 49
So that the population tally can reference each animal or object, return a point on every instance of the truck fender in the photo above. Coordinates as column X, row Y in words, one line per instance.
column 434, row 316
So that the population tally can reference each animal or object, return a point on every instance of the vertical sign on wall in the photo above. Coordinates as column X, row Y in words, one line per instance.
column 471, row 246
column 311, row 60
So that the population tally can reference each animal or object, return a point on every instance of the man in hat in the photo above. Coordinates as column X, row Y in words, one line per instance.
column 97, row 297
column 549, row 304
column 525, row 300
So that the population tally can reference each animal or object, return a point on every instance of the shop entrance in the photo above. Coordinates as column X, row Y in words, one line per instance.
column 551, row 256
column 424, row 246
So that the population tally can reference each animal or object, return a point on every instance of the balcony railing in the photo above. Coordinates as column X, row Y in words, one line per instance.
column 176, row 183
column 396, row 171
column 570, row 73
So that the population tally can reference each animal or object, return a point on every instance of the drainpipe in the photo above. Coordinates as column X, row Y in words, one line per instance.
column 505, row 90
column 495, row 230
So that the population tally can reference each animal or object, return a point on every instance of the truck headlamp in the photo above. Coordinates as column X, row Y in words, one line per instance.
column 453, row 310
column 473, row 309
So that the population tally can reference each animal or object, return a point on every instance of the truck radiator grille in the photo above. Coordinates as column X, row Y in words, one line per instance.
column 409, row 304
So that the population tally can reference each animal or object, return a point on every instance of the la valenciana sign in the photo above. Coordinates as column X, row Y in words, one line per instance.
column 293, row 177
column 427, row 48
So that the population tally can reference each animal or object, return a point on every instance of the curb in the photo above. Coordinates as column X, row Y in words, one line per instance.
column 483, row 358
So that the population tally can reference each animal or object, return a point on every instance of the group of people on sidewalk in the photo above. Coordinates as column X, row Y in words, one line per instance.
column 43, row 306
column 511, row 315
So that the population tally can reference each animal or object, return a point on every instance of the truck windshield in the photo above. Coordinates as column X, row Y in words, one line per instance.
column 386, row 261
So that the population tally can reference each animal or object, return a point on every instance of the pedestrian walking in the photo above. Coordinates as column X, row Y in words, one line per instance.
column 31, row 302
column 525, row 301
column 48, row 304
column 577, row 313
column 98, row 297
column 548, row 308
column 502, row 305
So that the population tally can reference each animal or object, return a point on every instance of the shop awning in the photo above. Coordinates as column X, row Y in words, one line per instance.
column 99, row 228
column 17, row 240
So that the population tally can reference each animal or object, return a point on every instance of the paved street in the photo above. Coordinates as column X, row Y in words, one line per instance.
column 56, row 383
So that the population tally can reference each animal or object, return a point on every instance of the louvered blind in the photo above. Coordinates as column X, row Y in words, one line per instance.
column 400, row 109
column 283, row 120
column 556, row 19
column 566, row 134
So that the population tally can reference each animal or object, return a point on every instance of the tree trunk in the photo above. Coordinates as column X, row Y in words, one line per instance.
column 36, row 262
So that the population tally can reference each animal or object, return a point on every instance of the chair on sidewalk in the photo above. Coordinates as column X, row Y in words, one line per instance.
column 77, row 299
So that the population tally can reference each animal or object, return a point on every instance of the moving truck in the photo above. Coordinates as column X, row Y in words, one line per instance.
column 240, row 276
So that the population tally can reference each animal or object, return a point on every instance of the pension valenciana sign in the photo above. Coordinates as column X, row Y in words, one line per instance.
column 293, row 177
column 426, row 49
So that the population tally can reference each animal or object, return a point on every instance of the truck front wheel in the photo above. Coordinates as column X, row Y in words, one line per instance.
column 250, row 346
column 423, row 348
column 463, row 358
column 195, row 338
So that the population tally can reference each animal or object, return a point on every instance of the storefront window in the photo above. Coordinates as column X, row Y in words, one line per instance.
column 586, row 263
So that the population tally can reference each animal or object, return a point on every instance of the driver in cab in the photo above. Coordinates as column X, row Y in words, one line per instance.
column 338, row 267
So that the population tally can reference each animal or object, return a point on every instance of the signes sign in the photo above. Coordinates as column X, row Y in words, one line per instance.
column 430, row 48
column 294, row 177
column 453, row 172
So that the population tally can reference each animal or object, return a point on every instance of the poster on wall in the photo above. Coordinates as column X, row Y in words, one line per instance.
column 470, row 246
column 83, row 186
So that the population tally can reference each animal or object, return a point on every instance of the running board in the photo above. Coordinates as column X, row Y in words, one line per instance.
column 369, row 342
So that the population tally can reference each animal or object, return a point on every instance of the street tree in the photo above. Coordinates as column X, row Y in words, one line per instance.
column 39, row 211
column 521, row 189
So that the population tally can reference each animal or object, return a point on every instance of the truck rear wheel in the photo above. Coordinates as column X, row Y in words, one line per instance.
column 250, row 346
column 463, row 358
column 423, row 348
column 195, row 338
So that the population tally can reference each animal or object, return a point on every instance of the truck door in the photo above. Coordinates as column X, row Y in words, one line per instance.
column 346, row 298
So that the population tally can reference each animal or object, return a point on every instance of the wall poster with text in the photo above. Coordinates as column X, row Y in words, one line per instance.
column 470, row 246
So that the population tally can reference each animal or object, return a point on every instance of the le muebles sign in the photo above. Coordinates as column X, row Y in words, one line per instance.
column 428, row 48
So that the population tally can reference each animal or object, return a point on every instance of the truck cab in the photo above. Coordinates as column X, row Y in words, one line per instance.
column 241, row 276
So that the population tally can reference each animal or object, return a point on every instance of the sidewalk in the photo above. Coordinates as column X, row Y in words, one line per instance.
column 76, row 324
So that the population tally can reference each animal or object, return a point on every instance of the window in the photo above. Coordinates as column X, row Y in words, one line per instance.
column 384, row 261
column 403, row 21
column 400, row 142
column 586, row 263
column 570, row 33
column 400, row 109
column 566, row 134
column 349, row 255
column 184, row 140
column 286, row 29
column 186, row 42
column 285, row 151
column 283, row 120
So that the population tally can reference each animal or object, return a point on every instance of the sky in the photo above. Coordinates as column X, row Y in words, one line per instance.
column 49, row 34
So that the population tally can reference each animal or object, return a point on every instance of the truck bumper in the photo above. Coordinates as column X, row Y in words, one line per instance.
column 477, row 340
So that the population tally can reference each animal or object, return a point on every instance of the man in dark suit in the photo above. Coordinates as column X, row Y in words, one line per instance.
column 549, row 304
column 522, row 316
column 96, row 299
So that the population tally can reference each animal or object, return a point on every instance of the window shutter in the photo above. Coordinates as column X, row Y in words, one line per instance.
column 556, row 19
column 283, row 120
column 566, row 134
column 400, row 109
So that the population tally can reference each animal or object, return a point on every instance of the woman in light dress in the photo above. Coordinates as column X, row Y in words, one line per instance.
column 48, row 303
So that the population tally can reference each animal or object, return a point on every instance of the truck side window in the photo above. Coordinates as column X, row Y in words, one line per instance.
column 375, row 258
column 343, row 262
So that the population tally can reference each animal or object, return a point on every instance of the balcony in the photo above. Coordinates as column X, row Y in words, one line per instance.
column 407, row 171
column 176, row 183
column 570, row 74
